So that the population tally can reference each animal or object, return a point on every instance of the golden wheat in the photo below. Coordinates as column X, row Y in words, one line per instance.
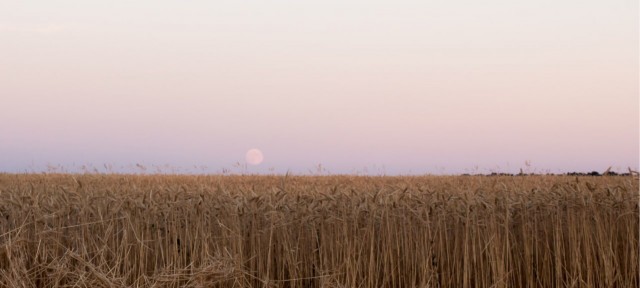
column 331, row 231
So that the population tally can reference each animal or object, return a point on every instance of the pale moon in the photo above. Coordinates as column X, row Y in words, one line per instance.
column 254, row 157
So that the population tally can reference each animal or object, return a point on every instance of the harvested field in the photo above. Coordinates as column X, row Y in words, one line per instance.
column 330, row 231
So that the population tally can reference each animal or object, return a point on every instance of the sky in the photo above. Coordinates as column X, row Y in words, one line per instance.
column 366, row 87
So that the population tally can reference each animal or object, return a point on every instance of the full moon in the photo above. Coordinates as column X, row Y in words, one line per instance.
column 254, row 157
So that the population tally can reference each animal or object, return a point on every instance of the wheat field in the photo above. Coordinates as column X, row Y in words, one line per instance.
column 62, row 230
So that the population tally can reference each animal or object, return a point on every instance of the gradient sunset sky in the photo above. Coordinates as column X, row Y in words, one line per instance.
column 393, row 87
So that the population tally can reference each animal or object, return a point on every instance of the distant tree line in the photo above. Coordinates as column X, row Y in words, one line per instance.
column 608, row 172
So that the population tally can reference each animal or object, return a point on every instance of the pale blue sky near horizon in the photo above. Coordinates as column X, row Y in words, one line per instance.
column 377, row 87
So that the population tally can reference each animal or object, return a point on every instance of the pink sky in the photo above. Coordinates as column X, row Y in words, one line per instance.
column 391, row 87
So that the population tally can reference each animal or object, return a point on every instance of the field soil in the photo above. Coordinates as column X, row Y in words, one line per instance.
column 61, row 230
